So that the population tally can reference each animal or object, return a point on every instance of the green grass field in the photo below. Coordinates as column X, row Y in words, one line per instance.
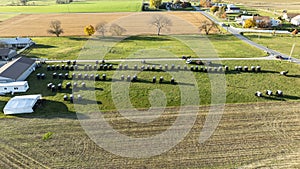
column 82, row 6
column 240, row 86
column 73, row 47
column 280, row 43
column 3, row 17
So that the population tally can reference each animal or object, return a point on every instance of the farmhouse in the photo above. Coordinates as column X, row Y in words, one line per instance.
column 13, row 87
column 17, row 70
column 6, row 53
column 17, row 42
column 22, row 104
column 241, row 20
column 261, row 21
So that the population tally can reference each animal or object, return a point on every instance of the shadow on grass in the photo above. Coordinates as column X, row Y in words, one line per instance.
column 43, row 46
column 281, row 98
column 100, row 39
column 273, row 98
column 147, row 38
column 49, row 110
column 291, row 97
column 81, row 38
column 86, row 102
column 223, row 37
column 250, row 36
column 240, row 72
column 293, row 76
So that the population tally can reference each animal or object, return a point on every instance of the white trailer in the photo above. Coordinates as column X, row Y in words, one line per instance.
column 14, row 87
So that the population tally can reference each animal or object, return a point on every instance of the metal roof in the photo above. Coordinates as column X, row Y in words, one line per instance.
column 17, row 40
column 16, row 68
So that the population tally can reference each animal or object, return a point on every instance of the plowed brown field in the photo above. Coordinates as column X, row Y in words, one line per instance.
column 260, row 135
column 73, row 24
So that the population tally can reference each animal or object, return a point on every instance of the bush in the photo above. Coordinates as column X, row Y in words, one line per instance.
column 249, row 23
column 47, row 136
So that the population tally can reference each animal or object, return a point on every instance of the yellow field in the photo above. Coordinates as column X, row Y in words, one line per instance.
column 73, row 24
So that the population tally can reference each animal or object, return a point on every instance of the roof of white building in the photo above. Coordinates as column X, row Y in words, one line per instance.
column 16, row 40
column 21, row 104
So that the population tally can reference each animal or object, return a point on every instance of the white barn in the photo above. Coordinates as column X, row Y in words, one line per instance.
column 17, row 70
column 296, row 20
column 232, row 9
column 14, row 87
column 21, row 104
column 17, row 42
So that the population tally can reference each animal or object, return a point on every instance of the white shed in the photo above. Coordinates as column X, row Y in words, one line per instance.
column 21, row 104
column 296, row 20
column 14, row 87
column 17, row 42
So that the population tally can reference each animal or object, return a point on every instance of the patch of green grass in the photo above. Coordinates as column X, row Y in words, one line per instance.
column 280, row 43
column 228, row 46
column 83, row 6
column 4, row 17
column 57, row 48
column 240, row 87
column 140, row 47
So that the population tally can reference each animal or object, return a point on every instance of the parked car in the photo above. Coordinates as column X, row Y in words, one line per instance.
column 281, row 57
column 186, row 57
column 188, row 61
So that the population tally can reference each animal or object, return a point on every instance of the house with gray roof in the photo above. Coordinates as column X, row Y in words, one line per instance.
column 17, row 42
column 17, row 70
column 6, row 53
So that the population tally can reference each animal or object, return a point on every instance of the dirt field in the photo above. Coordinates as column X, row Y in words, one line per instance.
column 73, row 24
column 248, row 136
column 278, row 5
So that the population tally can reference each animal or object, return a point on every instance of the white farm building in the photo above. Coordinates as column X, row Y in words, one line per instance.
column 17, row 42
column 14, row 87
column 21, row 104
column 17, row 70
column 296, row 20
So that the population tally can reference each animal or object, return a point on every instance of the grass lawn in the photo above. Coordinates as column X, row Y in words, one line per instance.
column 82, row 6
column 280, row 43
column 140, row 47
column 3, row 17
column 228, row 46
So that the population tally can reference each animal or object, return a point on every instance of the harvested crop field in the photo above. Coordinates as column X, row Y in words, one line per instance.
column 261, row 135
column 279, row 5
column 74, row 23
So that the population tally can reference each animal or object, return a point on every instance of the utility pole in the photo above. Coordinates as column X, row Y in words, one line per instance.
column 292, row 50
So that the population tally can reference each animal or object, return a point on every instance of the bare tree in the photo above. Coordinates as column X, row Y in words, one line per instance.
column 55, row 28
column 207, row 26
column 101, row 28
column 160, row 22
column 116, row 30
